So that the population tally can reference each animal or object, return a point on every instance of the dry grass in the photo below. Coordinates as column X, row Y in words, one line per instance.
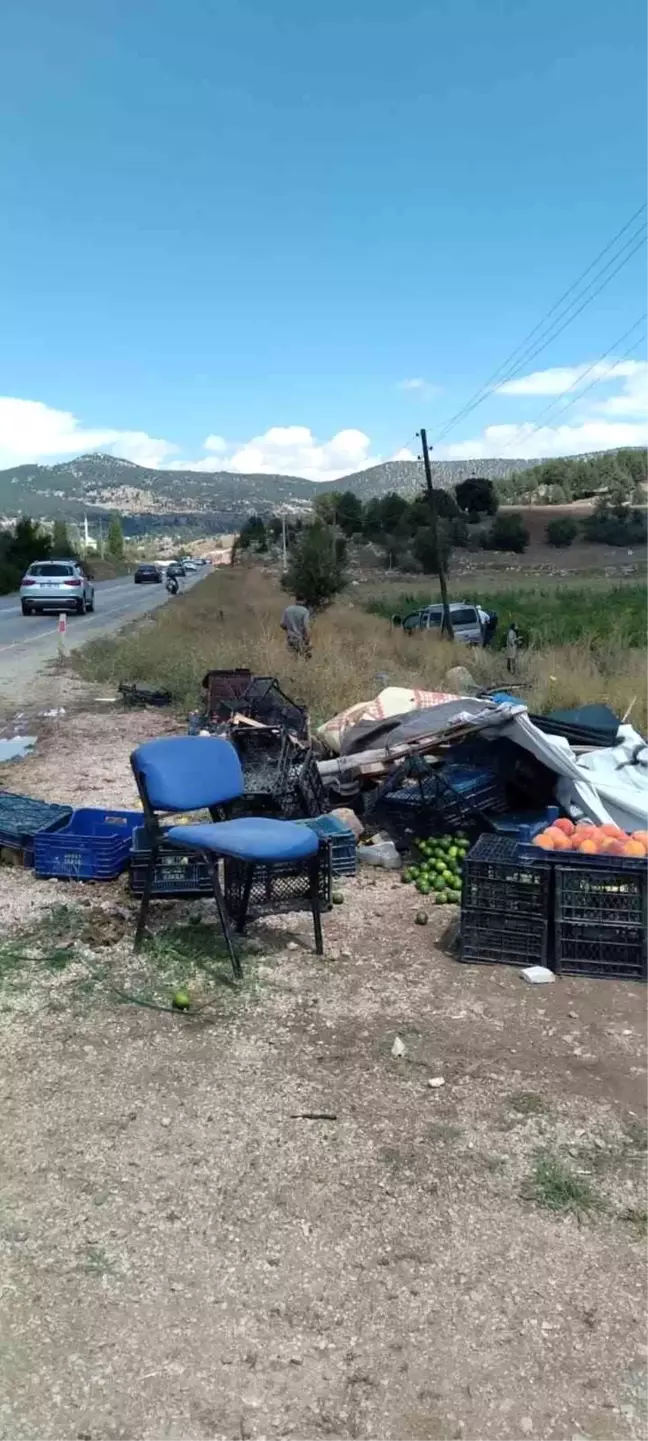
column 232, row 619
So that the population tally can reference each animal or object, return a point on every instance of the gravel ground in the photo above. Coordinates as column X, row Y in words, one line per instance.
column 184, row 1255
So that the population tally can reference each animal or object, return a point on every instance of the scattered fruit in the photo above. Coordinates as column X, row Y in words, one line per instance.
column 591, row 840
column 421, row 918
column 181, row 1001
column 337, row 899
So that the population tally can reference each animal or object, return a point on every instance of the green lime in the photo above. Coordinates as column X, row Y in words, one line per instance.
column 421, row 918
column 453, row 852
column 406, row 878
column 181, row 1001
column 337, row 898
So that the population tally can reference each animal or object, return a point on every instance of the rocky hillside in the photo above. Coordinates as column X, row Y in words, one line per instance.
column 104, row 483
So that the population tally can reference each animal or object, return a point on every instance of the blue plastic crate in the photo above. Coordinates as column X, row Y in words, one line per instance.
column 178, row 871
column 523, row 825
column 22, row 819
column 95, row 846
column 341, row 842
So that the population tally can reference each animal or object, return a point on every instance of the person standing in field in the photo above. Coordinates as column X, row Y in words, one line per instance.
column 295, row 621
column 512, row 647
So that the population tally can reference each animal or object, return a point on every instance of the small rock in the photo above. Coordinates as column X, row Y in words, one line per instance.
column 526, row 1425
column 398, row 1048
column 434, row 1082
column 459, row 681
column 292, row 946
column 165, row 1121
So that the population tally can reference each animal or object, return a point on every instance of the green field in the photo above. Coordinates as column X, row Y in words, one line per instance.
column 550, row 615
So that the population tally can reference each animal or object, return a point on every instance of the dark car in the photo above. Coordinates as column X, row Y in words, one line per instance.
column 176, row 568
column 148, row 575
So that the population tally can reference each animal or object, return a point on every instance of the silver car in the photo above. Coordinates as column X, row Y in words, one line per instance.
column 468, row 621
column 56, row 585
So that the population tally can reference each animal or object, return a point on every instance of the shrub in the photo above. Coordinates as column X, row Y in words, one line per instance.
column 562, row 531
column 508, row 532
column 316, row 569
column 616, row 525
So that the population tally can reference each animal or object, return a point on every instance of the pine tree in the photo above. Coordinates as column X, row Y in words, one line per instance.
column 115, row 538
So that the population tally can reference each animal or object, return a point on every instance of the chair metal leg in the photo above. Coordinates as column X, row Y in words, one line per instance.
column 313, row 875
column 222, row 915
column 245, row 899
column 146, row 900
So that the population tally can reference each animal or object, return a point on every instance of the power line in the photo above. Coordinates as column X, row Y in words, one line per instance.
column 525, row 351
column 522, row 431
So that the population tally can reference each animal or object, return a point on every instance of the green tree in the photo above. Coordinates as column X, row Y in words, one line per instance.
column 372, row 519
column 508, row 532
column 253, row 534
column 316, row 568
column 60, row 539
column 325, row 506
column 18, row 548
column 393, row 508
column 562, row 531
column 349, row 513
column 427, row 550
column 477, row 496
column 115, row 538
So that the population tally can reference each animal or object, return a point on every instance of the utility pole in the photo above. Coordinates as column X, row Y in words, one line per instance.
column 443, row 584
column 284, row 558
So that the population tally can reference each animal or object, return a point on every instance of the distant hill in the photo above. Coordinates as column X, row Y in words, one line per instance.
column 219, row 500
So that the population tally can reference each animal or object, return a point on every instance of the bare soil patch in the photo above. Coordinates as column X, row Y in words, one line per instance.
column 184, row 1256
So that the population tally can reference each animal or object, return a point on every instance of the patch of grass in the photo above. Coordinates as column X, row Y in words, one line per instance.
column 526, row 1103
column 556, row 1188
column 97, row 1262
column 190, row 957
column 637, row 1135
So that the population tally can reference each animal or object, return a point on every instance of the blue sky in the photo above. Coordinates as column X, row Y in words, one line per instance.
column 298, row 232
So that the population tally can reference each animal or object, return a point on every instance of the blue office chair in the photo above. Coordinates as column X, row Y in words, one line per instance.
column 189, row 773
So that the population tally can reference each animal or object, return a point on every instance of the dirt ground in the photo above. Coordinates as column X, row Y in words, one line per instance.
column 186, row 1255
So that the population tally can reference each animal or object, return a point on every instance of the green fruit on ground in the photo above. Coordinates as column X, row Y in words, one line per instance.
column 181, row 1001
column 337, row 898
column 406, row 879
column 421, row 918
column 453, row 852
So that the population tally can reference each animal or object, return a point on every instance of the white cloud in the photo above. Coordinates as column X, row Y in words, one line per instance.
column 567, row 377
column 404, row 454
column 289, row 450
column 524, row 442
column 600, row 422
column 32, row 431
column 418, row 386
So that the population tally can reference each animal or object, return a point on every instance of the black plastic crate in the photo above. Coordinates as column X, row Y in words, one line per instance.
column 284, row 887
column 494, row 938
column 280, row 773
column 178, row 871
column 600, row 918
column 265, row 701
column 225, row 691
column 22, row 818
column 505, row 905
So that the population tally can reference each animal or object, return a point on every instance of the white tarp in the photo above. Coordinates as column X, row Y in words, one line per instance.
column 596, row 783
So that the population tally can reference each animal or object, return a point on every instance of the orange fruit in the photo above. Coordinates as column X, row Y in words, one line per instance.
column 585, row 831
column 611, row 830
column 642, row 837
column 633, row 848
column 610, row 846
column 544, row 841
column 588, row 847
column 565, row 825
column 561, row 842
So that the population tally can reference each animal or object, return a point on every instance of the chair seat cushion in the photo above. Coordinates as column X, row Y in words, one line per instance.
column 252, row 838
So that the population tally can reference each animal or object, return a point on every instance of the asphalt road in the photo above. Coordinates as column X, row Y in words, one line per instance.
column 27, row 643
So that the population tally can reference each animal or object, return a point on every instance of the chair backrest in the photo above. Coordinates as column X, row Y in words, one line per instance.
column 185, row 773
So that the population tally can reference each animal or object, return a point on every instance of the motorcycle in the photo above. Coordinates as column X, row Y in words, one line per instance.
column 172, row 585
